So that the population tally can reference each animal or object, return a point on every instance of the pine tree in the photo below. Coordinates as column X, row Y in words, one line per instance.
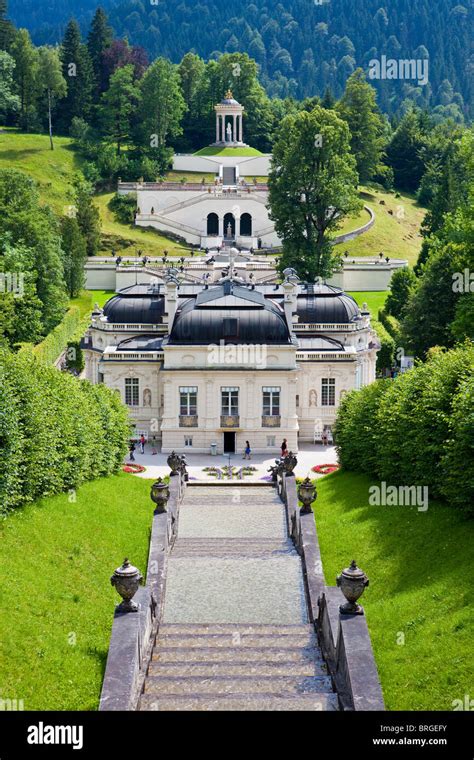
column 79, row 75
column 358, row 107
column 404, row 152
column 99, row 39
column 118, row 105
column 87, row 216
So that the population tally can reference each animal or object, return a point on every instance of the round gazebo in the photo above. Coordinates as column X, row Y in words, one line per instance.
column 229, row 122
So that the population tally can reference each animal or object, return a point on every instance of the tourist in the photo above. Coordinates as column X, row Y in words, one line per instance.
column 284, row 448
column 248, row 451
column 131, row 449
column 142, row 444
column 324, row 438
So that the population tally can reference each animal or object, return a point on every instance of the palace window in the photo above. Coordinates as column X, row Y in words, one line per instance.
column 188, row 401
column 132, row 391
column 230, row 401
column 271, row 441
column 328, row 391
column 188, row 441
column 271, row 402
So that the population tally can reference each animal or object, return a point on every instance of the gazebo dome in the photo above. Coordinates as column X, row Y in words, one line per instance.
column 229, row 100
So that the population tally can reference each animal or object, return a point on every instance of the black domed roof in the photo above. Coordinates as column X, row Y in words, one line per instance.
column 324, row 304
column 138, row 304
column 231, row 313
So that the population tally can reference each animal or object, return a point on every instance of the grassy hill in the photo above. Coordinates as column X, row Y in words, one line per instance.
column 216, row 150
column 53, row 170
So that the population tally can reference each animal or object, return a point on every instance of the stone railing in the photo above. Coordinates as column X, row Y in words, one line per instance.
column 230, row 421
column 188, row 420
column 133, row 633
column 271, row 420
column 344, row 639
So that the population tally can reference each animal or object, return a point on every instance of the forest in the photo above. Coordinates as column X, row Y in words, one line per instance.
column 301, row 46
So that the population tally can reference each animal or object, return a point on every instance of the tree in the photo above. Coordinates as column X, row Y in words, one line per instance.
column 312, row 185
column 75, row 255
column 51, row 81
column 7, row 30
column 162, row 104
column 79, row 76
column 87, row 215
column 8, row 100
column 24, row 221
column 20, row 307
column 118, row 54
column 402, row 285
column 359, row 109
column 25, row 74
column 98, row 40
column 404, row 152
column 118, row 105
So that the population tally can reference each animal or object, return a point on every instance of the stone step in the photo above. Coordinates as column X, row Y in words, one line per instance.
column 231, row 628
column 240, row 702
column 228, row 640
column 239, row 549
column 247, row 669
column 267, row 655
column 281, row 685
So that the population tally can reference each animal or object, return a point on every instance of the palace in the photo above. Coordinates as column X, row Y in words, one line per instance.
column 209, row 364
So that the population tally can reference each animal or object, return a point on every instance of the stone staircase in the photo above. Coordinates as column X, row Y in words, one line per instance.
column 235, row 633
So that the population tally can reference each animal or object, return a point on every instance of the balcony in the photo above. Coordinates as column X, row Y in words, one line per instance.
column 188, row 420
column 230, row 421
column 271, row 420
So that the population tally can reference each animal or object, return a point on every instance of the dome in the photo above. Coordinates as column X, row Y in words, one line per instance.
column 229, row 313
column 229, row 100
column 324, row 304
column 138, row 304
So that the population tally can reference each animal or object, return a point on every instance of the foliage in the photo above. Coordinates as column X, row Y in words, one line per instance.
column 57, row 432
column 312, row 183
column 123, row 207
column 87, row 215
column 402, row 285
column 386, row 354
column 402, row 431
column 50, row 349
column 75, row 255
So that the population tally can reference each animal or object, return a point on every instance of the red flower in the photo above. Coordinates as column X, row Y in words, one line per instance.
column 325, row 469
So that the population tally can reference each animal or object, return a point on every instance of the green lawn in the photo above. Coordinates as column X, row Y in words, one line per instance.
column 52, row 170
column 397, row 234
column 419, row 604
column 127, row 239
column 56, row 601
column 375, row 299
column 215, row 150
column 88, row 298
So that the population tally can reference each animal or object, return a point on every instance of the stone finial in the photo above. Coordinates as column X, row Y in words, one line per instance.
column 289, row 464
column 160, row 494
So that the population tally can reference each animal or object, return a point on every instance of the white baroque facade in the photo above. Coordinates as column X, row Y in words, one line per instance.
column 222, row 363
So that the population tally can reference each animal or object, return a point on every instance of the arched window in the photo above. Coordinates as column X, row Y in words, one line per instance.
column 229, row 219
column 212, row 224
column 246, row 225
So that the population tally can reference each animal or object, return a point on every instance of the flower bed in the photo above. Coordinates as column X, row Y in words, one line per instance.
column 325, row 469
column 135, row 469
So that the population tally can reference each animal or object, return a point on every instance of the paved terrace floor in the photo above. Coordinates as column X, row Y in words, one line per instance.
column 308, row 456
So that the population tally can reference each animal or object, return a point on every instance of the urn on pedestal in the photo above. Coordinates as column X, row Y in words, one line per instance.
column 352, row 582
column 126, row 580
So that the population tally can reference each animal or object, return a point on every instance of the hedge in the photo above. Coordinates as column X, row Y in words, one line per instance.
column 417, row 429
column 55, row 431
column 51, row 348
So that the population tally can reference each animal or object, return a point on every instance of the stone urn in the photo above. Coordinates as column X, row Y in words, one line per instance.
column 174, row 463
column 160, row 494
column 289, row 464
column 126, row 580
column 352, row 582
column 307, row 494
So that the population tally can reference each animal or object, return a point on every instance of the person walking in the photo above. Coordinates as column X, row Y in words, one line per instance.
column 142, row 444
column 131, row 449
column 248, row 451
column 284, row 448
column 324, row 438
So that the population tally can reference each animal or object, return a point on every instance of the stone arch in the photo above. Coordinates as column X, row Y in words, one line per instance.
column 229, row 219
column 212, row 224
column 246, row 225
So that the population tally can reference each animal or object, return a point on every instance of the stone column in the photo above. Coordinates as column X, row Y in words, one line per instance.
column 234, row 133
column 221, row 226
column 241, row 128
column 217, row 127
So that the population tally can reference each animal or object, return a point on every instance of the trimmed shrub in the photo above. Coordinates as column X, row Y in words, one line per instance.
column 55, row 431
column 51, row 348
column 418, row 430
